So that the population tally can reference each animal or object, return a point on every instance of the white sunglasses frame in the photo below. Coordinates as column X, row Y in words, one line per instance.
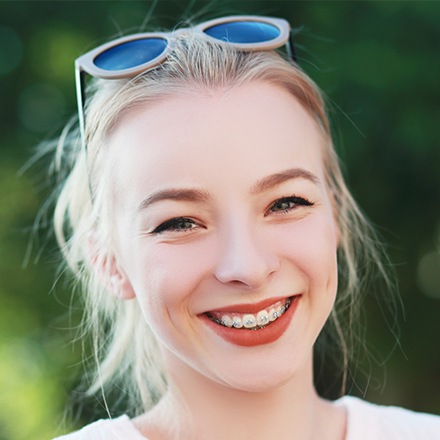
column 85, row 63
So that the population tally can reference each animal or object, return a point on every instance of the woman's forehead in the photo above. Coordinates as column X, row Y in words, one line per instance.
column 248, row 130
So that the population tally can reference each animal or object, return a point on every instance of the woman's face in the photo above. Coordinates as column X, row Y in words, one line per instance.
column 225, row 231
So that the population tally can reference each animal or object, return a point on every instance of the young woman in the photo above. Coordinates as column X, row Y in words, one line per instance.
column 205, row 214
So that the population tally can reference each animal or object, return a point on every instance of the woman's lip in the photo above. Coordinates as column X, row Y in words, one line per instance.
column 250, row 308
column 249, row 337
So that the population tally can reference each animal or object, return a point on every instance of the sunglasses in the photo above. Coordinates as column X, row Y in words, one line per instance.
column 134, row 54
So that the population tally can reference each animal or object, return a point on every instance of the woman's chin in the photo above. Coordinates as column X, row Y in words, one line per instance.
column 257, row 381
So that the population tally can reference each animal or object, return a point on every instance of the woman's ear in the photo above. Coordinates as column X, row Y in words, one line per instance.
column 108, row 271
column 119, row 284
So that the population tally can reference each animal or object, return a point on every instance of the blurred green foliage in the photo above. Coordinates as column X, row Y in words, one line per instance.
column 377, row 61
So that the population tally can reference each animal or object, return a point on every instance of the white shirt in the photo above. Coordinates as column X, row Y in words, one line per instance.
column 365, row 421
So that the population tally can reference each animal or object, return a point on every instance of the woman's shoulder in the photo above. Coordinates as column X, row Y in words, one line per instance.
column 108, row 429
column 370, row 421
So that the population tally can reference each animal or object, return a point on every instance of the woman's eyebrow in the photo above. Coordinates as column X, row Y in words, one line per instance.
column 179, row 194
column 278, row 178
column 199, row 196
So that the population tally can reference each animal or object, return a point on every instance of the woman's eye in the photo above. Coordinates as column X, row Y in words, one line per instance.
column 287, row 204
column 178, row 224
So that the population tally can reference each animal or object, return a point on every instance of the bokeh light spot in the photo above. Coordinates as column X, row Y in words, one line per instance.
column 53, row 50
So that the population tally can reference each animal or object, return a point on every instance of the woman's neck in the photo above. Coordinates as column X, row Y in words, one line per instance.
column 206, row 409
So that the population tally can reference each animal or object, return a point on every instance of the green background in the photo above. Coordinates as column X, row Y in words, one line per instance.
column 378, row 63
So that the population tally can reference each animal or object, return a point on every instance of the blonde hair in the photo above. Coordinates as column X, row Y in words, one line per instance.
column 124, row 347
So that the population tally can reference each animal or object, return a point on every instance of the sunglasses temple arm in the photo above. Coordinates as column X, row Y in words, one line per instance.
column 290, row 47
column 80, row 97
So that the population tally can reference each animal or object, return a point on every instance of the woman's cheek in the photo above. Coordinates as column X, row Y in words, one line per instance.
column 311, row 241
column 169, row 273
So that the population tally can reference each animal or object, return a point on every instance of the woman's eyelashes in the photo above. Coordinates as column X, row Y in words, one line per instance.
column 287, row 204
column 177, row 224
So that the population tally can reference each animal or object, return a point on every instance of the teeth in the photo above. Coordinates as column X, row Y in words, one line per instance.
column 227, row 321
column 249, row 321
column 237, row 322
column 262, row 318
column 252, row 321
column 273, row 314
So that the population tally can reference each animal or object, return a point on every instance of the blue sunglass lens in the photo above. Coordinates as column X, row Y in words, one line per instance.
column 131, row 54
column 244, row 32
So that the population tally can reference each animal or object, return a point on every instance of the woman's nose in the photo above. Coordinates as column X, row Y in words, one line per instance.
column 245, row 258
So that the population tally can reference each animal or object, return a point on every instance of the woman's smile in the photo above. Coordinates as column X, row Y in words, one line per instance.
column 241, row 326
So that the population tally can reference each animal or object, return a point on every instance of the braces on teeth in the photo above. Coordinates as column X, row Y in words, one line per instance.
column 252, row 321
